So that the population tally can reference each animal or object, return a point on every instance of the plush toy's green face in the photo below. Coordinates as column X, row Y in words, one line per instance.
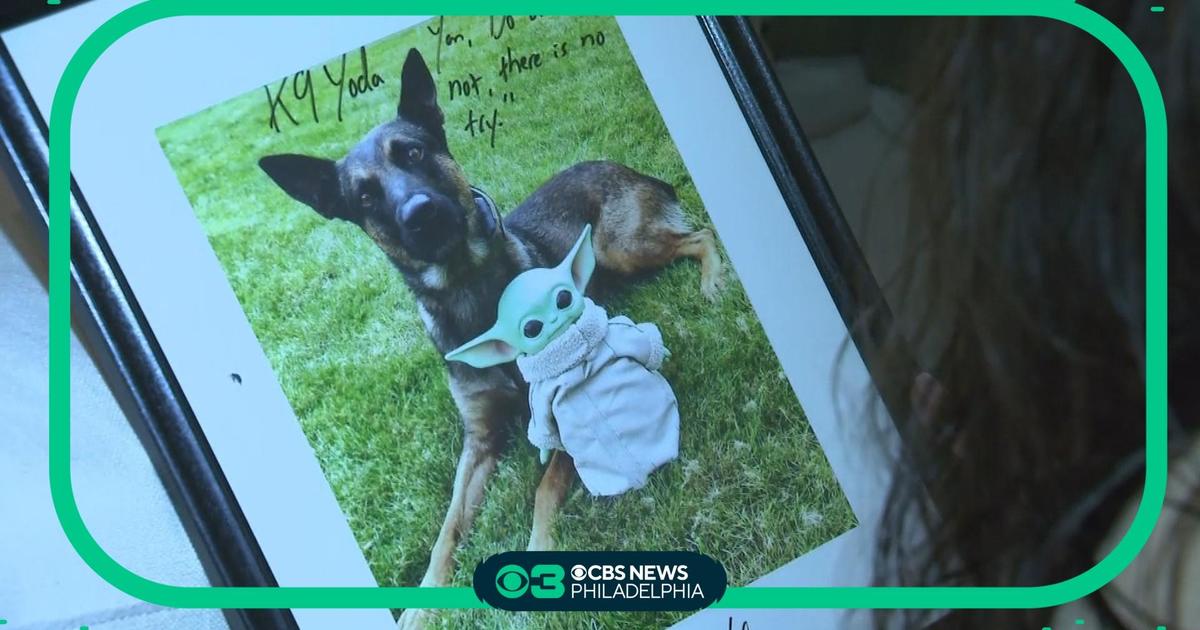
column 535, row 308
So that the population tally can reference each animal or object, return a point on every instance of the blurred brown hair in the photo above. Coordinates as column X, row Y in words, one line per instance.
column 1028, row 204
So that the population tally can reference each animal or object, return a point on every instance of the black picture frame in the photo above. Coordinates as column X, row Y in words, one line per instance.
column 835, row 250
column 17, row 12
column 127, row 353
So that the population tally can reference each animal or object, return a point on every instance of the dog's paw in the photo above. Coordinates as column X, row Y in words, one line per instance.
column 712, row 284
column 414, row 619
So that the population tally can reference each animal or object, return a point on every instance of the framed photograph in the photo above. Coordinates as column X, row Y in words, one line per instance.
column 282, row 226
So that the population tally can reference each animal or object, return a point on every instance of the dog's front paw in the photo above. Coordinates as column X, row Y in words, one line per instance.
column 414, row 619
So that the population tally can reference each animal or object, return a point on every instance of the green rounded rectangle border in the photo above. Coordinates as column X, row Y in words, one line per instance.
column 741, row 597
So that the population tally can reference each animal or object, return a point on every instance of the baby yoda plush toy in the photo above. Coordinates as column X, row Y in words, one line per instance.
column 594, row 387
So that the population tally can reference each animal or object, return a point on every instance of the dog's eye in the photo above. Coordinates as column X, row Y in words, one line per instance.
column 366, row 199
column 563, row 299
column 533, row 328
column 405, row 152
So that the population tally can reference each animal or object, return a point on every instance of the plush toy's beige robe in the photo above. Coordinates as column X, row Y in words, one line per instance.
column 595, row 393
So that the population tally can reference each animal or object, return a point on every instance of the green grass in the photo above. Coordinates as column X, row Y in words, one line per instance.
column 752, row 487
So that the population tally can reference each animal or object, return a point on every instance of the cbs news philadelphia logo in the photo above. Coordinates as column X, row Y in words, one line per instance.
column 600, row 580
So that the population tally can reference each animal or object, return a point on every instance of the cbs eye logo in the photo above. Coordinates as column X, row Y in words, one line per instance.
column 543, row 581
column 512, row 581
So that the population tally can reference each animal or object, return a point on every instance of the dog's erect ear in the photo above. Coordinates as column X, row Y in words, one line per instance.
column 418, row 93
column 309, row 180
column 581, row 260
column 484, row 351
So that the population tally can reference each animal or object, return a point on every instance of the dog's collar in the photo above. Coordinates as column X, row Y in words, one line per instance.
column 491, row 210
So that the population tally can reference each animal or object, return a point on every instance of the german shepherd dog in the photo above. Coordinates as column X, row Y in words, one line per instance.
column 401, row 185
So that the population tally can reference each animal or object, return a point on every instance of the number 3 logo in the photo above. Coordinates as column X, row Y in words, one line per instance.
column 551, row 576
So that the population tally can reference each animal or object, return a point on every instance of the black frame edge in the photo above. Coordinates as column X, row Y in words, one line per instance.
column 17, row 12
column 814, row 208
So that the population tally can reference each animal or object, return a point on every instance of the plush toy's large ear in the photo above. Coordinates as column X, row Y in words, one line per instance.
column 309, row 180
column 581, row 260
column 484, row 351
column 418, row 94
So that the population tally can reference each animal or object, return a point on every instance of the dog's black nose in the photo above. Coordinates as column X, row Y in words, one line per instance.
column 416, row 213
